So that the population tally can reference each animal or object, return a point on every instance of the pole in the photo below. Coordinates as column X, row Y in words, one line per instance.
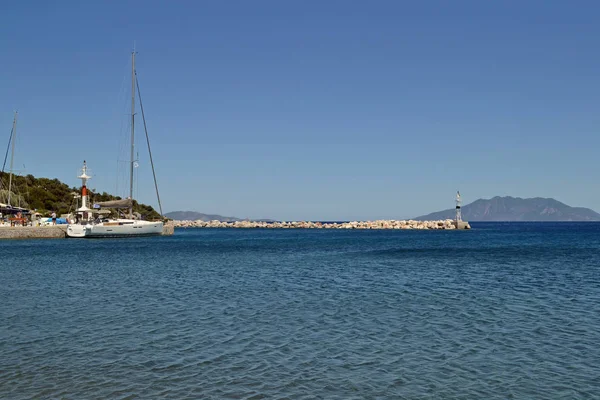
column 12, row 155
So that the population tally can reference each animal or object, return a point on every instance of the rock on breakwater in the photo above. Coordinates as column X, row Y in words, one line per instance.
column 379, row 224
column 168, row 228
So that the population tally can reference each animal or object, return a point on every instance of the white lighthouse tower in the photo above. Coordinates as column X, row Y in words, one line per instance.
column 458, row 212
column 84, row 210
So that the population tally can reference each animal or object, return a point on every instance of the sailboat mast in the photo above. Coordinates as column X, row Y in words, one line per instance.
column 132, row 132
column 12, row 155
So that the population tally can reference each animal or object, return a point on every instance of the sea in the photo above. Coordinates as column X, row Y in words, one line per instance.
column 502, row 311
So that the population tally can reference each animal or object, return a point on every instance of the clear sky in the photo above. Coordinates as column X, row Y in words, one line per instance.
column 323, row 110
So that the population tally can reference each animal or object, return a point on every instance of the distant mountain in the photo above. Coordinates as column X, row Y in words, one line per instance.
column 517, row 209
column 194, row 216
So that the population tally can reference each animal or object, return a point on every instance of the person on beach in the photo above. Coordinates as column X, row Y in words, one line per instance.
column 53, row 218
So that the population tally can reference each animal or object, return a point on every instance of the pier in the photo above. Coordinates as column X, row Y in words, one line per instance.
column 52, row 231
column 33, row 232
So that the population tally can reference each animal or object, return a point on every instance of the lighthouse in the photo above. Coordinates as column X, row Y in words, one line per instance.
column 458, row 212
column 84, row 210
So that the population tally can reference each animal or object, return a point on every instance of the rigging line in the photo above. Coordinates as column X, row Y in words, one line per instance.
column 137, row 84
column 6, row 155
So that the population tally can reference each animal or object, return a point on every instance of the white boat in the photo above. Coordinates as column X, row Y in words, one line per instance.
column 102, row 227
column 110, row 228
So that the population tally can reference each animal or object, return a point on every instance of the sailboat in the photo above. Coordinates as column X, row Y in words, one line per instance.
column 9, row 208
column 101, row 227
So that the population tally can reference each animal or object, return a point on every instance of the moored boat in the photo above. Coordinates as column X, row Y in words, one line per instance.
column 111, row 228
column 92, row 222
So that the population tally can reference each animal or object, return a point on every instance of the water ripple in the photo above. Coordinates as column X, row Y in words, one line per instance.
column 503, row 311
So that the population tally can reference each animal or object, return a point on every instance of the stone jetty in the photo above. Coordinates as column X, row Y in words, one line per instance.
column 33, row 232
column 379, row 224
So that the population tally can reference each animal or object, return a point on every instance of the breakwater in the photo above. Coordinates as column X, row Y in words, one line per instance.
column 379, row 224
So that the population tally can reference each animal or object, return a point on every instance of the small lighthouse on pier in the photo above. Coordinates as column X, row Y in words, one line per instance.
column 84, row 210
column 458, row 217
column 458, row 222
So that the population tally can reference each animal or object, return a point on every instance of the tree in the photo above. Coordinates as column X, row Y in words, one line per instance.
column 47, row 195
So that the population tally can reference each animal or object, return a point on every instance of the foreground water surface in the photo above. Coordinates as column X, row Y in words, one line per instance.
column 501, row 311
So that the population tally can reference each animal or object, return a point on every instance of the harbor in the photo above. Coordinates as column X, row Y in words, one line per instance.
column 95, row 215
column 299, row 200
column 60, row 231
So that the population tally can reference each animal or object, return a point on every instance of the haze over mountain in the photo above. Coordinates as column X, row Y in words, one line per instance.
column 517, row 209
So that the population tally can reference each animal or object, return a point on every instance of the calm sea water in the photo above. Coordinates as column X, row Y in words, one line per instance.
column 501, row 311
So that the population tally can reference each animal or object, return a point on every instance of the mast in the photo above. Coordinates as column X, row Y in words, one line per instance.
column 132, row 132
column 12, row 155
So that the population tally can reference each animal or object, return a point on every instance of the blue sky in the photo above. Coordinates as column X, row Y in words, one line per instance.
column 309, row 109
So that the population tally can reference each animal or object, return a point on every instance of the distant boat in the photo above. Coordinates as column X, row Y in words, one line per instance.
column 102, row 227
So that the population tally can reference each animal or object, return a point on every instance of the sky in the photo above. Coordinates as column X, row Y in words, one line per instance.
column 320, row 110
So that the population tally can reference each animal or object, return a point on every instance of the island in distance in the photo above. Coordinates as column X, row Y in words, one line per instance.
column 517, row 209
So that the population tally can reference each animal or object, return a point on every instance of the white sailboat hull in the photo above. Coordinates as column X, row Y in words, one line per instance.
column 115, row 228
